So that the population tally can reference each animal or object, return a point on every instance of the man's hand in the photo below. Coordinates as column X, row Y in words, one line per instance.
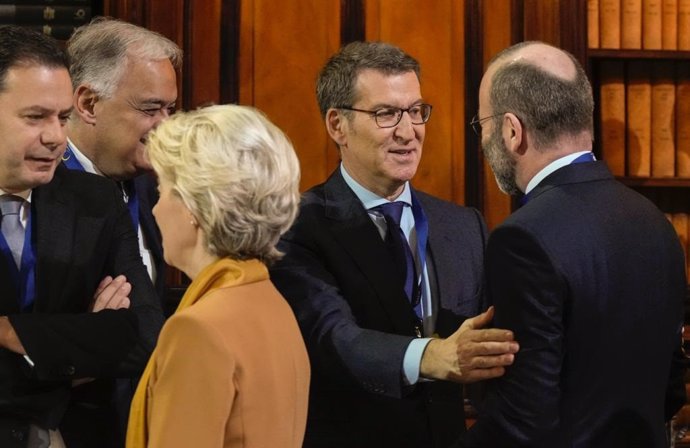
column 470, row 354
column 111, row 294
column 8, row 337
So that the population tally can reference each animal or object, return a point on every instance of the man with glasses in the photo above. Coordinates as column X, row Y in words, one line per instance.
column 588, row 273
column 381, row 276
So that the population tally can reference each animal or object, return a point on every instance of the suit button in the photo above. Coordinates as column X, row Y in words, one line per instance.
column 68, row 370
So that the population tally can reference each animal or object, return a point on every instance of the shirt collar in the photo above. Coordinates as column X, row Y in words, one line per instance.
column 26, row 194
column 370, row 199
column 88, row 165
column 551, row 167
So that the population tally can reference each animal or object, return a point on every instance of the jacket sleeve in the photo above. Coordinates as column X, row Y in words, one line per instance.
column 522, row 407
column 338, row 346
column 69, row 342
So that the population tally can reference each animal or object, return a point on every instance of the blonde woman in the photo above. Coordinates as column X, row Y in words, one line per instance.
column 230, row 368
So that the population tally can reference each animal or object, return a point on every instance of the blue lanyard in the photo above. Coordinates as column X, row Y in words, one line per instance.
column 421, row 224
column 24, row 276
column 71, row 162
column 132, row 202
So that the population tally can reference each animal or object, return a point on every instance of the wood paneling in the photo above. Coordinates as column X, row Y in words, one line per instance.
column 202, row 53
column 434, row 36
column 497, row 33
column 281, row 52
column 542, row 21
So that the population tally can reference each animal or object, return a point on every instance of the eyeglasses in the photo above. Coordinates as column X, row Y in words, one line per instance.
column 389, row 117
column 476, row 122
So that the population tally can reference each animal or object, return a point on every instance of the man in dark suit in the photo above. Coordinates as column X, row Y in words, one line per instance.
column 382, row 334
column 588, row 274
column 60, row 322
column 125, row 84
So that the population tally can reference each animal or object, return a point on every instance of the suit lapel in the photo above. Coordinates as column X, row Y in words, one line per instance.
column 145, row 187
column 357, row 234
column 9, row 303
column 54, row 240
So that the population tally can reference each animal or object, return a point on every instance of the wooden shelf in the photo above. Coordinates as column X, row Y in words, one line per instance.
column 637, row 54
column 676, row 182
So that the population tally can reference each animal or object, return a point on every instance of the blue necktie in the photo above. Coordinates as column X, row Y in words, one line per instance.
column 400, row 249
column 12, row 228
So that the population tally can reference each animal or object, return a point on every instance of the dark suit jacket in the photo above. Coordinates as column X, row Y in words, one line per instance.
column 82, row 232
column 357, row 322
column 590, row 276
column 146, row 187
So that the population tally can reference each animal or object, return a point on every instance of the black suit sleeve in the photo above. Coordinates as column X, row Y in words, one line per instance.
column 675, row 392
column 65, row 345
column 338, row 345
column 523, row 406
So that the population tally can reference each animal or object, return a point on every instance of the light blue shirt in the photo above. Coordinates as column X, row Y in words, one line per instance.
column 413, row 355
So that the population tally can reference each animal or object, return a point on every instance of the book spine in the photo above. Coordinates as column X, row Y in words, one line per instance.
column 651, row 24
column 639, row 120
column 60, row 32
column 40, row 15
column 669, row 26
column 610, row 23
column 663, row 120
column 593, row 23
column 48, row 2
column 631, row 24
column 682, row 122
column 684, row 25
column 612, row 110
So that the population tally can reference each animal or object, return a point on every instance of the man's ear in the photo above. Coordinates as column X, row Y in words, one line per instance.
column 513, row 134
column 336, row 125
column 84, row 101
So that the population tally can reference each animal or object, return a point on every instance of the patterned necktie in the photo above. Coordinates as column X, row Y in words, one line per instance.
column 400, row 249
column 12, row 228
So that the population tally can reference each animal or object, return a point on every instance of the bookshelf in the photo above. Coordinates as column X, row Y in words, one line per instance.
column 56, row 18
column 617, row 71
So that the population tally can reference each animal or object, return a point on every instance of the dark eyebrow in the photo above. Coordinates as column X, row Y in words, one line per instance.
column 44, row 110
column 390, row 106
column 157, row 102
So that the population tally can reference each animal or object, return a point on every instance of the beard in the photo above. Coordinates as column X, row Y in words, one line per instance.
column 502, row 165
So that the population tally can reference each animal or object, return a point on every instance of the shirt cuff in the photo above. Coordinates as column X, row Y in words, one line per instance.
column 412, row 360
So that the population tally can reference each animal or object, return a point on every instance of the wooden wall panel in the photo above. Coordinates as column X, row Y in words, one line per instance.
column 434, row 36
column 281, row 52
column 166, row 17
column 497, row 33
column 542, row 21
column 202, row 83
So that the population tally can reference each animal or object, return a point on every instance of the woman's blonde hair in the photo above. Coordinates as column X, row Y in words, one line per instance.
column 236, row 172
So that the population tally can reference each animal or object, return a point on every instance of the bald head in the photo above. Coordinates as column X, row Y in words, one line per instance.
column 545, row 87
column 550, row 59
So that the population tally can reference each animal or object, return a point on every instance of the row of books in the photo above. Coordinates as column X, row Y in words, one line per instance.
column 638, row 24
column 56, row 18
column 645, row 118
column 47, row 2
